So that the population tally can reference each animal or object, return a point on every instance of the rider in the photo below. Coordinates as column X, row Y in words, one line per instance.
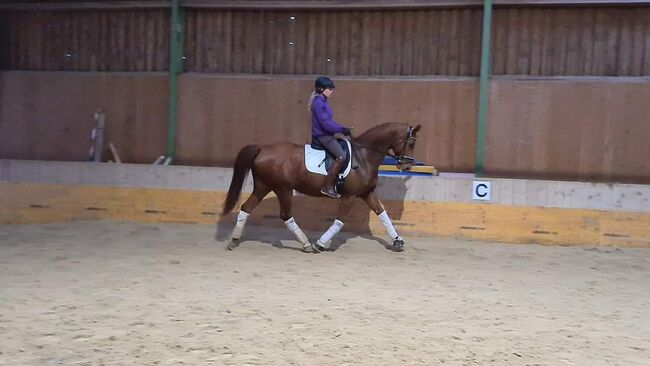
column 327, row 131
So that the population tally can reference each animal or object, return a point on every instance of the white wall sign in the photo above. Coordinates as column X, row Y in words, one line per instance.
column 481, row 190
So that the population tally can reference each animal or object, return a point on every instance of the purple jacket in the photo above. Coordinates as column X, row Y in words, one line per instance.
column 321, row 118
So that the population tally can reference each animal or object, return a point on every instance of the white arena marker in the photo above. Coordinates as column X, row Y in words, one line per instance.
column 481, row 190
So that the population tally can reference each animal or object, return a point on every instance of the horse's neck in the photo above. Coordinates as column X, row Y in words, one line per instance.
column 372, row 158
column 378, row 141
column 378, row 145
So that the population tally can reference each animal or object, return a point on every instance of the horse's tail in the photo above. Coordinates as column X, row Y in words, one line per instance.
column 243, row 164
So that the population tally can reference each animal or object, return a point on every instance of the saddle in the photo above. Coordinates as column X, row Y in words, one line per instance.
column 318, row 160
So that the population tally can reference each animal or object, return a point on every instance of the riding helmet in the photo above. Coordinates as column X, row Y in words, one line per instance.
column 323, row 82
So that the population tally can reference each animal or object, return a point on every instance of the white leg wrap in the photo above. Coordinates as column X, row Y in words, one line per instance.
column 383, row 217
column 239, row 226
column 325, row 239
column 295, row 229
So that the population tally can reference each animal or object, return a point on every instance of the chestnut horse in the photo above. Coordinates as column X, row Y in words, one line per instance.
column 280, row 168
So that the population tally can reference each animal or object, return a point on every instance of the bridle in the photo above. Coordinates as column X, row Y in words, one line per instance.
column 401, row 159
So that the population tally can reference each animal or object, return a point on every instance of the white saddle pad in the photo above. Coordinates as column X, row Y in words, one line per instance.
column 315, row 161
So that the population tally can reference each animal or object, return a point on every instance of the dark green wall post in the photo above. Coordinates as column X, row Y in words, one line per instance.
column 484, row 86
column 175, row 68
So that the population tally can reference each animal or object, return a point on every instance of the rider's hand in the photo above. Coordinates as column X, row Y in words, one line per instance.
column 340, row 136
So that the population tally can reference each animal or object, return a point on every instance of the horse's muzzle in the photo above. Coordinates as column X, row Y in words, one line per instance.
column 405, row 162
column 405, row 167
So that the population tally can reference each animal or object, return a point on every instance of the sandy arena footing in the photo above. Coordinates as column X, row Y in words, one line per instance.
column 113, row 293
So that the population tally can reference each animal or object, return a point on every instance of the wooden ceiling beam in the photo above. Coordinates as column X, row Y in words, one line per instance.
column 298, row 4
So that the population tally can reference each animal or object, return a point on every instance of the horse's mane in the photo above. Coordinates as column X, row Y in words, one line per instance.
column 378, row 128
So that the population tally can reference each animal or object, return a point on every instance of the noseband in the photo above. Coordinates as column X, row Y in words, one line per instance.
column 405, row 159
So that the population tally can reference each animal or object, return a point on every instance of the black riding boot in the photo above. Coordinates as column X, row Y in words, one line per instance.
column 330, row 179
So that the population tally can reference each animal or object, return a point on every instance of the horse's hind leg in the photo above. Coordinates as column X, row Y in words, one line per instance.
column 259, row 192
column 284, row 196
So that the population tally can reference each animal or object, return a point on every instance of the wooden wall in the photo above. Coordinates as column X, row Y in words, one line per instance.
column 595, row 129
column 219, row 115
column 248, row 75
column 85, row 40
column 581, row 41
column 431, row 42
column 49, row 115
column 577, row 129
column 561, row 41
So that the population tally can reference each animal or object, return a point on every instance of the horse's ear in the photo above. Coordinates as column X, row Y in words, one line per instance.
column 416, row 129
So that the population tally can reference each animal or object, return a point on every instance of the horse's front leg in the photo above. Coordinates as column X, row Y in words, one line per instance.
column 326, row 239
column 378, row 208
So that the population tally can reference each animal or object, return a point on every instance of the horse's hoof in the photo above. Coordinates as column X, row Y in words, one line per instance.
column 234, row 243
column 307, row 248
column 398, row 245
column 317, row 248
column 323, row 246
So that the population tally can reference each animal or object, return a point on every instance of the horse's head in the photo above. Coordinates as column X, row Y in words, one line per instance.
column 403, row 148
